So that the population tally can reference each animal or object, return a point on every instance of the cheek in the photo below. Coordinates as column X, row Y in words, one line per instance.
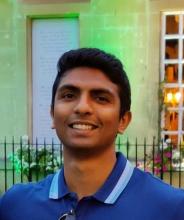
column 59, row 116
column 111, row 117
column 60, row 110
column 110, row 113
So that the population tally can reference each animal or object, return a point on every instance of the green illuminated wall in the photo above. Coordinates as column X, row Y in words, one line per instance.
column 13, row 97
column 127, row 28
column 122, row 27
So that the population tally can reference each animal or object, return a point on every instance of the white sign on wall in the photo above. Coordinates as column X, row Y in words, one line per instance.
column 50, row 39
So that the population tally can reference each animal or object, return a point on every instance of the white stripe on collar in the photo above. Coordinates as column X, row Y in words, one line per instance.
column 53, row 193
column 118, row 189
column 121, row 184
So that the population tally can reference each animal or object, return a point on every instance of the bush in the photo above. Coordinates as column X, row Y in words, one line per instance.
column 40, row 160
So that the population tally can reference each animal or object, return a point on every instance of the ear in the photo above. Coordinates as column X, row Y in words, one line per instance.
column 52, row 116
column 124, row 122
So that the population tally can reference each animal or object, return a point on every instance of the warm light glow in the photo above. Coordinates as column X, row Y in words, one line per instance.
column 169, row 97
column 176, row 18
column 172, row 97
column 177, row 96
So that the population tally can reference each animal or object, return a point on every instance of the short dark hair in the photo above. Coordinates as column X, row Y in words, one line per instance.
column 95, row 58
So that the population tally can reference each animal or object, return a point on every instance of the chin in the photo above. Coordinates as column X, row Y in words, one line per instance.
column 82, row 147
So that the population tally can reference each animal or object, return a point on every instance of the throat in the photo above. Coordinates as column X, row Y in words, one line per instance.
column 86, row 177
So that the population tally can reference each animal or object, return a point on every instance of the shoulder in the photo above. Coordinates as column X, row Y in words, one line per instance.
column 21, row 194
column 152, row 183
column 158, row 191
column 22, row 188
column 151, row 198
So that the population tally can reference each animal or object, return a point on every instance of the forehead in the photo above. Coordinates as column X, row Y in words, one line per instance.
column 86, row 77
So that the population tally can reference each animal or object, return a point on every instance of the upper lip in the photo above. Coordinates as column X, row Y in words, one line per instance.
column 83, row 122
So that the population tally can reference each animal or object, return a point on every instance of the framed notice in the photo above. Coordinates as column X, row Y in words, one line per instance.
column 50, row 39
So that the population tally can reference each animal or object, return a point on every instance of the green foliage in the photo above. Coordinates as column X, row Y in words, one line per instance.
column 30, row 159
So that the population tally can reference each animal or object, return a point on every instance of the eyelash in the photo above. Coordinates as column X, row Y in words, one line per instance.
column 102, row 99
column 67, row 96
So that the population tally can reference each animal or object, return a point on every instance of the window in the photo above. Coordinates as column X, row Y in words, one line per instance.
column 51, row 37
column 172, row 76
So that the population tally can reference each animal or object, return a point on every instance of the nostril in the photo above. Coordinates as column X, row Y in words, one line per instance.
column 83, row 107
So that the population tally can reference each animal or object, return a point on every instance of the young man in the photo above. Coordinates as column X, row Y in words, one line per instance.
column 90, row 106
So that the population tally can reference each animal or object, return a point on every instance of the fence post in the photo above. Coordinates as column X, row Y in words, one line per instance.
column 136, row 152
column 29, row 162
column 127, row 147
column 180, row 160
column 144, row 153
column 5, row 164
column 13, row 159
column 21, row 165
column 153, row 155
column 61, row 154
column 52, row 155
column 45, row 157
column 37, row 163
column 170, row 166
column 162, row 160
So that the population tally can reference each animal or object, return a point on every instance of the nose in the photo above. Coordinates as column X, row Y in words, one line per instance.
column 83, row 105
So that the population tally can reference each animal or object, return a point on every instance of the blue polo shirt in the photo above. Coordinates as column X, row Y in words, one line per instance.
column 128, row 193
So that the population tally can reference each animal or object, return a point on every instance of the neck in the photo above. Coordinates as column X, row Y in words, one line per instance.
column 86, row 176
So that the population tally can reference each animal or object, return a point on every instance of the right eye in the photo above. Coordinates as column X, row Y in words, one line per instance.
column 67, row 96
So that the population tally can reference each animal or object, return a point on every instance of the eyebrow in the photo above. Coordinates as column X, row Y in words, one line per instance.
column 67, row 87
column 102, row 91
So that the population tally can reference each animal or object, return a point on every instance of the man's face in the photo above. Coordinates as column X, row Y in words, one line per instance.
column 87, row 110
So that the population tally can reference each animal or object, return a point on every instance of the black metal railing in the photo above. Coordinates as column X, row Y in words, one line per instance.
column 23, row 161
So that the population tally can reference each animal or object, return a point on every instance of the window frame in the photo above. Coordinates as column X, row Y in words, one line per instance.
column 180, row 61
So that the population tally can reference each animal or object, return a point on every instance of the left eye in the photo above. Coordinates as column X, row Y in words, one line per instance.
column 102, row 99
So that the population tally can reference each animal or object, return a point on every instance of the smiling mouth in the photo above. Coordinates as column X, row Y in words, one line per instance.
column 83, row 126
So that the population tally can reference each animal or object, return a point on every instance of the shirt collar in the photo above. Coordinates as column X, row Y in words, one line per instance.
column 111, row 189
column 58, row 188
column 116, row 182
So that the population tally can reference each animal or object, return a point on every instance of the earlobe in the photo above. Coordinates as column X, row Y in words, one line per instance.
column 124, row 122
column 52, row 116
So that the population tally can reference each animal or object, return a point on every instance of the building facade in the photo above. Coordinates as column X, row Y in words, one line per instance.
column 147, row 35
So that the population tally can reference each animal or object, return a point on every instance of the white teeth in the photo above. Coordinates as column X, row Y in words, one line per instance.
column 82, row 127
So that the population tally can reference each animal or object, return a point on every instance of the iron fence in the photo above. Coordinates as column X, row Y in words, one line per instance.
column 23, row 161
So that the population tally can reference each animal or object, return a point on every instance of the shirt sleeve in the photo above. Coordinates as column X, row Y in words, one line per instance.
column 6, row 204
column 1, row 199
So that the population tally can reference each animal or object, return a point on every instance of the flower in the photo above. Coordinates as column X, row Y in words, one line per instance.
column 162, row 160
column 157, row 159
column 167, row 154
